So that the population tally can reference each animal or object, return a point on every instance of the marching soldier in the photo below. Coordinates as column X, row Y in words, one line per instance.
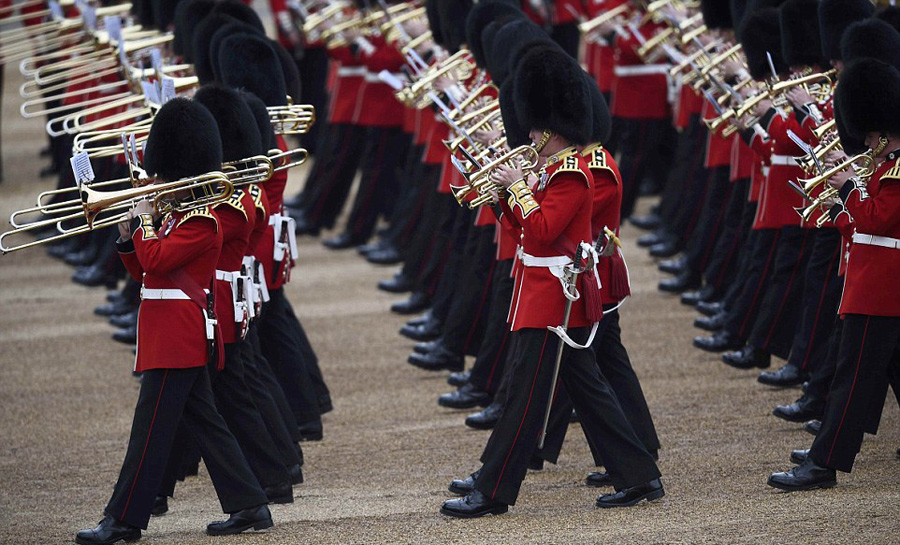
column 554, row 218
column 869, row 352
column 176, row 260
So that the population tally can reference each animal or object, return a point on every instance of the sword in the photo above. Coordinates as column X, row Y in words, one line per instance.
column 572, row 272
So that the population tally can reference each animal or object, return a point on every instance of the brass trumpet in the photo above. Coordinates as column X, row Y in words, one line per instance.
column 293, row 118
column 588, row 27
column 480, row 181
column 862, row 164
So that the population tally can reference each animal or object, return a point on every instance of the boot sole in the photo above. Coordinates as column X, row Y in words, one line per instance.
column 282, row 499
column 787, row 488
column 795, row 420
column 472, row 405
column 129, row 539
column 650, row 496
column 258, row 525
column 498, row 510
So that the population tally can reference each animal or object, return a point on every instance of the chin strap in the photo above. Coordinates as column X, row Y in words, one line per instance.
column 545, row 137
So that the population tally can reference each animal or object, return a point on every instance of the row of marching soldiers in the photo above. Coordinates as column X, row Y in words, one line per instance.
column 790, row 250
column 226, row 371
column 483, row 146
column 709, row 104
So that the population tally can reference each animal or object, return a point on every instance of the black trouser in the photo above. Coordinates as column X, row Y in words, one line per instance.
column 712, row 217
column 779, row 312
column 868, row 358
column 243, row 418
column 168, row 397
column 268, row 376
column 281, row 348
column 313, row 68
column 331, row 177
column 745, row 256
column 410, row 203
column 821, row 297
column 452, row 265
column 264, row 389
column 742, row 313
column 514, row 438
column 383, row 154
column 823, row 373
column 465, row 324
column 723, row 261
column 640, row 144
column 614, row 364
column 487, row 371
column 685, row 190
column 430, row 249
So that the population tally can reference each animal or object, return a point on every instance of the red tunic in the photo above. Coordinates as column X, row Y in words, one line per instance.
column 561, row 220
column 380, row 106
column 640, row 91
column 606, row 208
column 870, row 285
column 237, row 218
column 172, row 332
column 349, row 86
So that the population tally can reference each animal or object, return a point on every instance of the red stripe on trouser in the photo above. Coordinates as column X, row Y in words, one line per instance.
column 522, row 422
column 762, row 281
column 837, row 432
column 815, row 327
column 490, row 379
column 787, row 290
column 146, row 443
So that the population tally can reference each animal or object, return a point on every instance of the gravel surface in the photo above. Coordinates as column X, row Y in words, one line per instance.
column 380, row 474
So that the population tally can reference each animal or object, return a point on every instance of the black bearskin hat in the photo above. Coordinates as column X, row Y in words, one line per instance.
column 737, row 8
column 289, row 69
column 760, row 34
column 800, row 42
column 201, row 42
column 890, row 15
column 852, row 144
column 432, row 13
column 249, row 62
column 551, row 93
column 868, row 92
column 237, row 127
column 516, row 135
column 716, row 13
column 601, row 119
column 183, row 141
column 871, row 38
column 510, row 44
column 453, row 14
column 480, row 16
column 242, row 12
column 188, row 15
column 164, row 13
column 261, row 118
column 834, row 18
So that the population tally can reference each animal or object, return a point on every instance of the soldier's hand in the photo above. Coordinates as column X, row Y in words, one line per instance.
column 144, row 207
column 486, row 137
column 798, row 97
column 506, row 175
column 124, row 228
column 762, row 107
column 838, row 180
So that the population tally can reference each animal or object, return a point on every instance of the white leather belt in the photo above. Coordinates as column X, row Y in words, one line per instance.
column 226, row 275
column 285, row 224
column 372, row 77
column 641, row 70
column 165, row 293
column 784, row 160
column 351, row 71
column 876, row 240
column 534, row 261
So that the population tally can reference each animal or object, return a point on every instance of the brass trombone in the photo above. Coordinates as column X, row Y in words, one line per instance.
column 293, row 118
column 214, row 187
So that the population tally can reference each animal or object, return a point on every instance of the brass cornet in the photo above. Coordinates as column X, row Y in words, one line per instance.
column 293, row 118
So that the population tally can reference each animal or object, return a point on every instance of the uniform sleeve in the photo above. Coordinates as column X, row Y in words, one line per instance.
column 545, row 223
column 128, row 255
column 159, row 256
column 606, row 193
column 876, row 215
